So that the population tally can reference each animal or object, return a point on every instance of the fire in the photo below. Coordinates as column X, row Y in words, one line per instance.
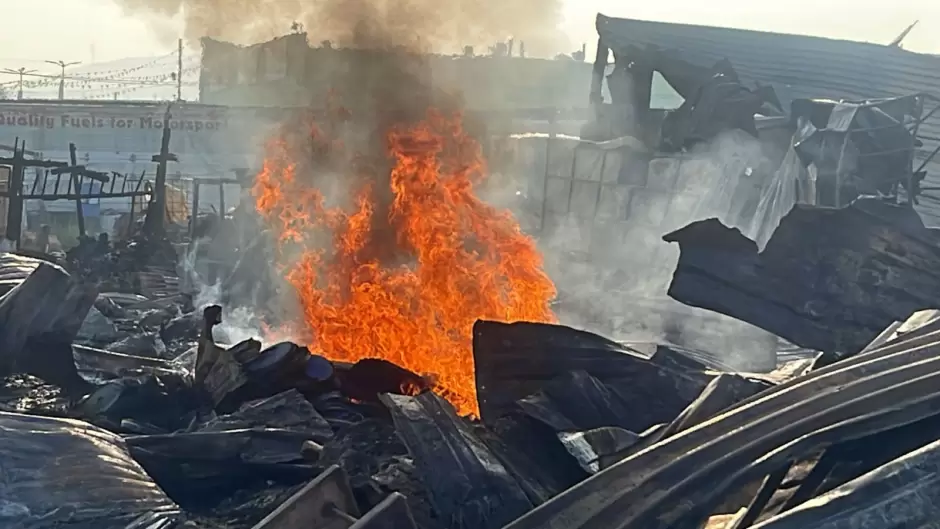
column 404, row 273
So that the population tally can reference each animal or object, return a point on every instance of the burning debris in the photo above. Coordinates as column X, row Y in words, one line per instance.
column 571, row 426
column 417, row 260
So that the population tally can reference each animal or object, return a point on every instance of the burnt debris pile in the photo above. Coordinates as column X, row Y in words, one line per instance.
column 129, row 400
column 123, row 410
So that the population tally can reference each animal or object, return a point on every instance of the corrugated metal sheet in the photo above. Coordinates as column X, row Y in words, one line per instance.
column 801, row 67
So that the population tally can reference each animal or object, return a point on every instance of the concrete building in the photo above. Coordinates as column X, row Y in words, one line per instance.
column 287, row 71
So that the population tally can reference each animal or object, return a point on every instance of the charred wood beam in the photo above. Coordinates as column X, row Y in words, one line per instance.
column 82, row 170
column 15, row 202
column 828, row 279
column 45, row 164
column 318, row 503
column 74, row 196
column 848, row 460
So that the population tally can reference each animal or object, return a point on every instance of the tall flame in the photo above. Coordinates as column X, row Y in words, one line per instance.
column 406, row 271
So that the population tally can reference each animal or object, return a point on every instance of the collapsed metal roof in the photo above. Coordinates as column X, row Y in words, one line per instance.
column 800, row 66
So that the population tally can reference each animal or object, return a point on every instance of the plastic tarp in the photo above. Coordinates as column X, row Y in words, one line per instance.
column 61, row 473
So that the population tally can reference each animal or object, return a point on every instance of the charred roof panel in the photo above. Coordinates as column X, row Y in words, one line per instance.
column 801, row 67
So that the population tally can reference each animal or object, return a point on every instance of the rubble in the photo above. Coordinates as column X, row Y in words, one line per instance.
column 575, row 430
column 876, row 393
column 467, row 484
column 228, row 433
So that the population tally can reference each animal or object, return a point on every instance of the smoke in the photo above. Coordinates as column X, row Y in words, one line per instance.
column 240, row 321
column 442, row 26
column 607, row 258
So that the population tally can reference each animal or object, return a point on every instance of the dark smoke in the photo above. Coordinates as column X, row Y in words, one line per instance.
column 443, row 26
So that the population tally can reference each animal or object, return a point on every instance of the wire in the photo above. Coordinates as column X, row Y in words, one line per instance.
column 122, row 74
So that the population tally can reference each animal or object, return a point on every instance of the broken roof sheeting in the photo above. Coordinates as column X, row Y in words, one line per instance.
column 801, row 67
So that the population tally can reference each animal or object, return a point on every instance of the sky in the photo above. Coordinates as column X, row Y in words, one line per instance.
column 97, row 30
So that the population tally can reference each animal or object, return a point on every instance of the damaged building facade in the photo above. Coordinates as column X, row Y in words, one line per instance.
column 852, row 109
column 290, row 72
column 758, row 123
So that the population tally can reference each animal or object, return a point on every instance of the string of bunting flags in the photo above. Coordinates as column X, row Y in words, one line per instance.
column 114, row 76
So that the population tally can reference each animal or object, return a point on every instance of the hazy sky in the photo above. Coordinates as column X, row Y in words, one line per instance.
column 87, row 30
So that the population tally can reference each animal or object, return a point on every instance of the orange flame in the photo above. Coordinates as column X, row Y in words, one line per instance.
column 414, row 264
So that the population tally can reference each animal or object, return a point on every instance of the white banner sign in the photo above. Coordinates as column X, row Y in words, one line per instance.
column 85, row 117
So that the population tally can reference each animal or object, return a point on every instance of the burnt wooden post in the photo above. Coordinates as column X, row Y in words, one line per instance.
column 221, row 200
column 156, row 224
column 15, row 194
column 77, row 174
column 76, row 184
column 194, row 214
column 15, row 190
column 131, row 222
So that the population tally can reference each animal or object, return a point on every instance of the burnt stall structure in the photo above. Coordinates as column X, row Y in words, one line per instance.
column 49, row 186
column 861, row 78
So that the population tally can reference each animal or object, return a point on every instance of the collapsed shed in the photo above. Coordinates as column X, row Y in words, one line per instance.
column 780, row 69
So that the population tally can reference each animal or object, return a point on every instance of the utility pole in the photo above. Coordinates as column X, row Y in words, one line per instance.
column 21, row 72
column 179, row 72
column 63, row 65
